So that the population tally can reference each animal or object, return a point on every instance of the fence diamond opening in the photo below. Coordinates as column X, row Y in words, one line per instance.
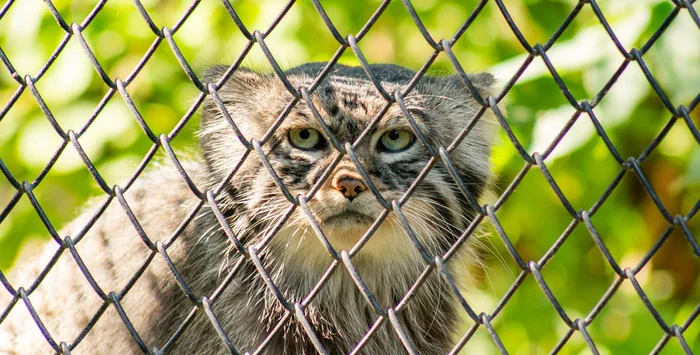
column 584, row 110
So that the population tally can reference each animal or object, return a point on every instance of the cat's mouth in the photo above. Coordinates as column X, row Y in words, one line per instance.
column 349, row 218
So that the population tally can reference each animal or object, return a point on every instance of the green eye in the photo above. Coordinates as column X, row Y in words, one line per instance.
column 305, row 138
column 396, row 140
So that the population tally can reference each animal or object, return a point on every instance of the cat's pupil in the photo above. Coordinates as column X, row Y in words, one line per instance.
column 304, row 134
column 394, row 135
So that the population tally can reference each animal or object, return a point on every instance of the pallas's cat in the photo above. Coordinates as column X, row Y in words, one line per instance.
column 251, row 206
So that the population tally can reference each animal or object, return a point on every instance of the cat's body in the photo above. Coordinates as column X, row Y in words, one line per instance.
column 295, row 258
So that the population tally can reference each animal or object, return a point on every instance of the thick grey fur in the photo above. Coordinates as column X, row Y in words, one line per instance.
column 295, row 259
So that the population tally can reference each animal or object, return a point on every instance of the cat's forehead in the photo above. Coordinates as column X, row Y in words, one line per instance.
column 343, row 99
column 337, row 95
column 341, row 87
column 350, row 96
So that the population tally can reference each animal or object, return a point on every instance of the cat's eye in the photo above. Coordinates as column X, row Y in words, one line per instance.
column 396, row 140
column 306, row 138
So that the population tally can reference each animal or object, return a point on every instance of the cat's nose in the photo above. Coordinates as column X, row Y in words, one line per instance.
column 348, row 185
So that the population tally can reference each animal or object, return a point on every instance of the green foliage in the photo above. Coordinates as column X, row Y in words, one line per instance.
column 533, row 217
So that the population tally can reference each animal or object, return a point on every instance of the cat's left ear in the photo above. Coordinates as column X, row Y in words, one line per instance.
column 482, row 82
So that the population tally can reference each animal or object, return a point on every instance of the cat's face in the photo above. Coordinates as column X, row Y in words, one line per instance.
column 302, row 154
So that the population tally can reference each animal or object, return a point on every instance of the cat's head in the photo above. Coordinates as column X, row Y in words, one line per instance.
column 300, row 152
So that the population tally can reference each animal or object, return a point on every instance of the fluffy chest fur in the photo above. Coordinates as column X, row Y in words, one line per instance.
column 339, row 313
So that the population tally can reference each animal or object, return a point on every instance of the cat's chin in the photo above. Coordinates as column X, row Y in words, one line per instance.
column 349, row 219
column 345, row 229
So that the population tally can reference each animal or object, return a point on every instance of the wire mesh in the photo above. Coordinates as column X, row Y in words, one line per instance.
column 344, row 259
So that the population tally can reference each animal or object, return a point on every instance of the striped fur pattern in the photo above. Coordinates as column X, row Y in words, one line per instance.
column 295, row 258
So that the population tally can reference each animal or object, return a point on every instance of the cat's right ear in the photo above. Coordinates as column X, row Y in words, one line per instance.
column 241, row 80
column 235, row 91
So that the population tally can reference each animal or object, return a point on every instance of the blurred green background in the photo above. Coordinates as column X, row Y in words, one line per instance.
column 533, row 217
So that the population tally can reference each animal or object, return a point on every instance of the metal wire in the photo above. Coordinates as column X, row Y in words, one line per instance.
column 203, row 303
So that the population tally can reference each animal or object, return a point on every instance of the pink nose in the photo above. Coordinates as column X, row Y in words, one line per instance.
column 348, row 185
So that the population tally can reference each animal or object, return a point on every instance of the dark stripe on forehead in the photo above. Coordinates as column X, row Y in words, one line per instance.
column 350, row 100
column 355, row 93
column 348, row 129
column 328, row 90
column 333, row 109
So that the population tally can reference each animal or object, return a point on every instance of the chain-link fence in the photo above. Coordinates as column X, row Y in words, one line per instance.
column 677, row 114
